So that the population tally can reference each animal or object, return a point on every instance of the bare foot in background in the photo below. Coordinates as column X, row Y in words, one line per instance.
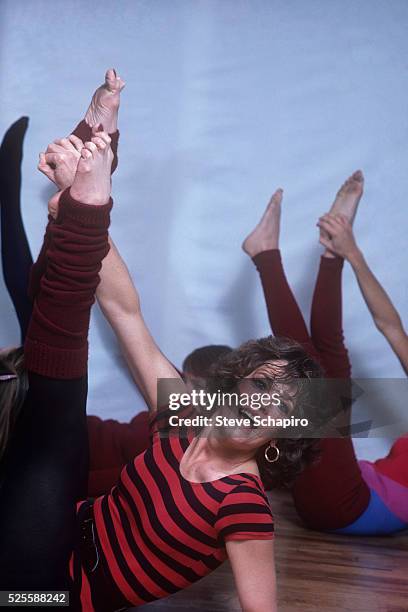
column 266, row 234
column 346, row 202
column 349, row 196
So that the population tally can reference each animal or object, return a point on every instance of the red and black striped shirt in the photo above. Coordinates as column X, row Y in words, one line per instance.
column 159, row 532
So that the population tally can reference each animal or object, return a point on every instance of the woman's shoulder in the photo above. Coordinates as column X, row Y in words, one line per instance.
column 246, row 483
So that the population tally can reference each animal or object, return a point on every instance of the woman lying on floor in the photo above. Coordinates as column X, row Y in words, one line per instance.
column 112, row 444
column 337, row 492
column 186, row 503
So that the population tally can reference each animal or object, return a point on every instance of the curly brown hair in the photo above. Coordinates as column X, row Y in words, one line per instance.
column 12, row 392
column 294, row 453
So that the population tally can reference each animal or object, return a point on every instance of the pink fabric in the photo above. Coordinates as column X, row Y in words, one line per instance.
column 393, row 494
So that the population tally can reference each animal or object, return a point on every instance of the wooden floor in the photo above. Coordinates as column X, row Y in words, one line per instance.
column 316, row 573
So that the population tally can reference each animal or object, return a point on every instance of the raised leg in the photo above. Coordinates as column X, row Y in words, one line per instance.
column 326, row 319
column 346, row 201
column 104, row 108
column 15, row 250
column 262, row 245
column 332, row 494
column 44, row 469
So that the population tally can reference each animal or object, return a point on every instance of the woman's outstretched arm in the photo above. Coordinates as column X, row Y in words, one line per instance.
column 120, row 303
column 342, row 242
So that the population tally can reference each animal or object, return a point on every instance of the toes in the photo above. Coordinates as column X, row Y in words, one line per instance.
column 77, row 142
column 276, row 197
column 113, row 81
column 358, row 176
column 110, row 75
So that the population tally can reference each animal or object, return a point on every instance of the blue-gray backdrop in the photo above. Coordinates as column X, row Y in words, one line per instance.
column 225, row 101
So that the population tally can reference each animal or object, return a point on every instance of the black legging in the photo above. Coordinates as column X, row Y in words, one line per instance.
column 44, row 469
column 15, row 251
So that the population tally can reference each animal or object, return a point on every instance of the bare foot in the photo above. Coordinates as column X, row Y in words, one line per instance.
column 348, row 196
column 92, row 182
column 105, row 102
column 266, row 234
column 346, row 203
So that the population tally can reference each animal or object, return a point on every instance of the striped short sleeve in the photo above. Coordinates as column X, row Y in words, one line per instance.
column 173, row 400
column 160, row 422
column 245, row 514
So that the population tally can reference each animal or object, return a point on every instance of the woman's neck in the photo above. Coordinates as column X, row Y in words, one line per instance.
column 207, row 458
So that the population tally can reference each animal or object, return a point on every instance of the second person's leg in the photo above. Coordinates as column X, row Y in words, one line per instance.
column 332, row 494
column 262, row 245
column 326, row 316
column 15, row 250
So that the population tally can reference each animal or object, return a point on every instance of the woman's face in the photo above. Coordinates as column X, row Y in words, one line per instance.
column 261, row 394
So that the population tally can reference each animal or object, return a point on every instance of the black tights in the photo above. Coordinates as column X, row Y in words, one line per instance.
column 15, row 251
column 52, row 424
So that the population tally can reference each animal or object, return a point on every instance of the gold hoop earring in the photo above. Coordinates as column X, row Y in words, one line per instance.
column 277, row 453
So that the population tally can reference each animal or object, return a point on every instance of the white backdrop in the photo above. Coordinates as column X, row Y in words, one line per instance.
column 225, row 101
